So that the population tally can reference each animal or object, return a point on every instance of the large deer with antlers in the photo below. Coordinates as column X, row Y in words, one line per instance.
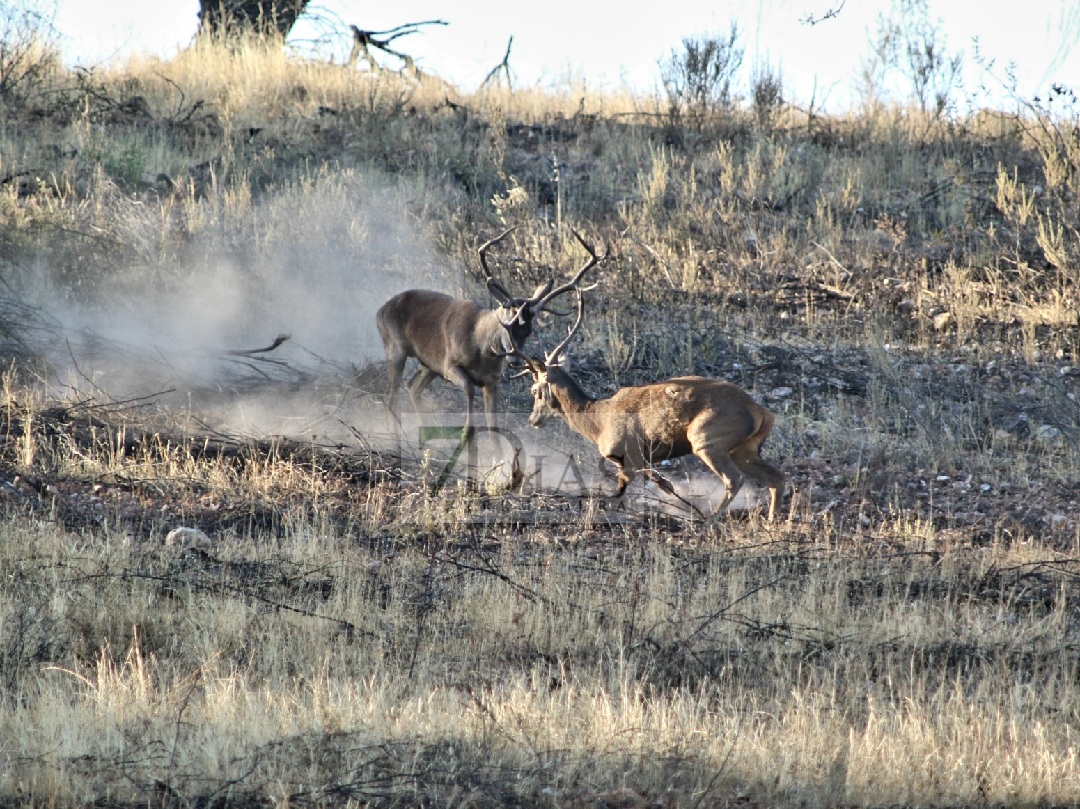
column 461, row 342
column 637, row 426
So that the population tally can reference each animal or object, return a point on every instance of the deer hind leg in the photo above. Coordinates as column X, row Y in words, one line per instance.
column 720, row 462
column 749, row 461
column 395, row 366
column 421, row 379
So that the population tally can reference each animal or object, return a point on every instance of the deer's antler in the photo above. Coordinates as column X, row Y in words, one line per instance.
column 493, row 284
column 573, row 283
column 552, row 357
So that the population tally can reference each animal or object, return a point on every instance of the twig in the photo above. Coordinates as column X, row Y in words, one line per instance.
column 240, row 352
column 831, row 13
column 833, row 258
column 176, row 738
column 491, row 570
column 661, row 262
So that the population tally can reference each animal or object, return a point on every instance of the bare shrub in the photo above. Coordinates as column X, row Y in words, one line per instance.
column 909, row 43
column 766, row 95
column 28, row 52
column 698, row 80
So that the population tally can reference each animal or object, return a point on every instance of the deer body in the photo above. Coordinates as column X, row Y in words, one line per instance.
column 688, row 415
column 461, row 342
column 450, row 337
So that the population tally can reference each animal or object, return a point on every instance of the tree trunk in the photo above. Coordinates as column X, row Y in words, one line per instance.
column 263, row 17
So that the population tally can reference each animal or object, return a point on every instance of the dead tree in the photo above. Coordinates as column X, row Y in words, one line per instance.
column 364, row 41
column 231, row 18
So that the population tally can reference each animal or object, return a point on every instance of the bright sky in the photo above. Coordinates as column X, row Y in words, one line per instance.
column 606, row 49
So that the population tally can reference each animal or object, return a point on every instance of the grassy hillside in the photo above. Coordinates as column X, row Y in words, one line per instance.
column 901, row 289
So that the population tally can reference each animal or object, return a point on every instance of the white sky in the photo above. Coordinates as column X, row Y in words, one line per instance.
column 606, row 49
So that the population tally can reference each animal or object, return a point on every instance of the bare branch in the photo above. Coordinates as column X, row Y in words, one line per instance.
column 364, row 40
column 281, row 338
column 503, row 67
column 811, row 19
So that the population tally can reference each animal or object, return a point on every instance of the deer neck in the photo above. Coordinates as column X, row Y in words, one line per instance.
column 490, row 333
column 583, row 413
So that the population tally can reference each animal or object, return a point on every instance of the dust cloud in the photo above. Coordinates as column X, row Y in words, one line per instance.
column 313, row 260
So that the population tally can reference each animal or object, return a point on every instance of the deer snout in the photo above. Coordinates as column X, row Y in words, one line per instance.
column 540, row 414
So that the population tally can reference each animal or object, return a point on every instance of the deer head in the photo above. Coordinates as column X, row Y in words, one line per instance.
column 549, row 371
column 516, row 314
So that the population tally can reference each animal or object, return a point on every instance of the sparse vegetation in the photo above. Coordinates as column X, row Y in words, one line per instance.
column 910, row 44
column 699, row 80
column 29, row 55
column 899, row 286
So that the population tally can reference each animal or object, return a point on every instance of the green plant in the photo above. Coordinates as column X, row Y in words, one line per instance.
column 128, row 164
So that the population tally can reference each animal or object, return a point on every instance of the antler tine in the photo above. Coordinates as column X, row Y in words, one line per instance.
column 573, row 282
column 493, row 284
column 553, row 355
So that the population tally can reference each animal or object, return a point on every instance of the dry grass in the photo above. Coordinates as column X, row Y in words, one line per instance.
column 901, row 291
column 506, row 667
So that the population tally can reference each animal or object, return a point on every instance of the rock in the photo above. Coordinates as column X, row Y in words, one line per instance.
column 1048, row 433
column 188, row 538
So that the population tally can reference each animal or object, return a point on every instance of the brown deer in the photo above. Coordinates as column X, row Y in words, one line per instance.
column 636, row 426
column 461, row 342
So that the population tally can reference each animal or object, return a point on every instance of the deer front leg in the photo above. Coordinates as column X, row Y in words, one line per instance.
column 625, row 471
column 395, row 366
column 491, row 406
column 457, row 376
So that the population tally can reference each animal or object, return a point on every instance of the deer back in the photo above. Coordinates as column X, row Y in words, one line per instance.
column 442, row 331
column 661, row 419
column 667, row 410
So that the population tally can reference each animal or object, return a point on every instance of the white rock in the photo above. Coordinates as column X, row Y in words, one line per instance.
column 1048, row 432
column 941, row 320
column 188, row 538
